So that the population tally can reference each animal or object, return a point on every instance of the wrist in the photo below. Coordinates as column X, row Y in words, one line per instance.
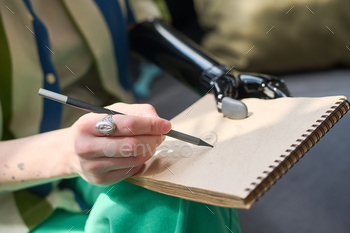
column 36, row 160
column 69, row 159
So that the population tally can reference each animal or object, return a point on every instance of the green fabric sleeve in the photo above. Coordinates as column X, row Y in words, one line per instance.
column 62, row 221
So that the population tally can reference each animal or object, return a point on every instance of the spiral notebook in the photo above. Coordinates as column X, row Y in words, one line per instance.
column 249, row 155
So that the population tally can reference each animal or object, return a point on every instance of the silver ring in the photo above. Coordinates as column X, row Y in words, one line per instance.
column 106, row 126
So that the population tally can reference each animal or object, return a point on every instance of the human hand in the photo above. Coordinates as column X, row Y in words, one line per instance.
column 105, row 160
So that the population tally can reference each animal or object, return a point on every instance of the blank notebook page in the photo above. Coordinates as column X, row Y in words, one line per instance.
column 243, row 149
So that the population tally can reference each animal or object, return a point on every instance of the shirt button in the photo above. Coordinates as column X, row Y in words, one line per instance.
column 50, row 78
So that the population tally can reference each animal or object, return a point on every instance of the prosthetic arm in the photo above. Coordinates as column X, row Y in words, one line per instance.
column 182, row 58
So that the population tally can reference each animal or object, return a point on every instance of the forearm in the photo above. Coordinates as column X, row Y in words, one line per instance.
column 35, row 160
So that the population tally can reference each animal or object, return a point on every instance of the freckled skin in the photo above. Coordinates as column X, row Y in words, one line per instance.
column 21, row 166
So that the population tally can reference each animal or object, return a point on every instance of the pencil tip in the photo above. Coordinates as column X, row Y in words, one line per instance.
column 203, row 143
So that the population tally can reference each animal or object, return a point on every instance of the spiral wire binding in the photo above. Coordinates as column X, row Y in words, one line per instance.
column 287, row 161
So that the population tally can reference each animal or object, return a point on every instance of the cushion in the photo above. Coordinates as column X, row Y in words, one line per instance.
column 277, row 36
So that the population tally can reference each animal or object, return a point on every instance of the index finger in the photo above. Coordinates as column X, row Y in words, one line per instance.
column 134, row 125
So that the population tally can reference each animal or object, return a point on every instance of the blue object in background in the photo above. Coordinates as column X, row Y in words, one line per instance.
column 148, row 73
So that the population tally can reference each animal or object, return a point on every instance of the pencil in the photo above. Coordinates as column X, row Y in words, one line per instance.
column 97, row 109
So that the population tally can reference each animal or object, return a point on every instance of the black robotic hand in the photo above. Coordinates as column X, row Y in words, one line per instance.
column 234, row 85
column 181, row 57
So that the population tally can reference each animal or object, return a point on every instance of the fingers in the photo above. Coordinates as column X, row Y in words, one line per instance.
column 134, row 125
column 100, row 166
column 140, row 119
column 125, row 125
column 96, row 147
column 106, row 160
